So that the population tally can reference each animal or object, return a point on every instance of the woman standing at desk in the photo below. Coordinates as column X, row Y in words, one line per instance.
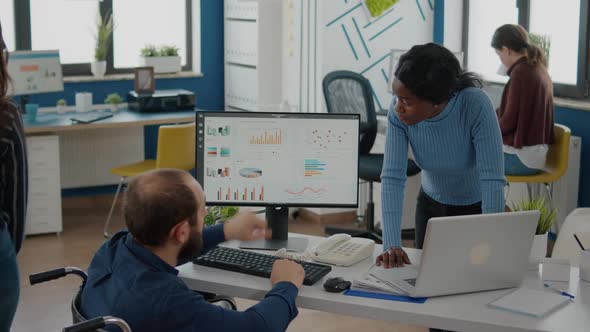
column 13, row 195
column 451, row 125
column 526, row 111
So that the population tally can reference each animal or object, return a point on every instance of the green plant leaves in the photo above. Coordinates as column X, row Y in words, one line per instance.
column 166, row 50
column 169, row 51
column 219, row 214
column 113, row 98
column 149, row 51
column 104, row 32
column 378, row 7
column 541, row 41
column 547, row 217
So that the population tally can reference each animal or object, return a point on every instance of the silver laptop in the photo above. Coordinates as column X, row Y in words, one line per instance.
column 468, row 254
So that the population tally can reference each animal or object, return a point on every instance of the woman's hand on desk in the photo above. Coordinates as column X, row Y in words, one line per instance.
column 393, row 257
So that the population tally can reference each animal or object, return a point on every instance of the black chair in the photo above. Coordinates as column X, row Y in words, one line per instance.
column 349, row 92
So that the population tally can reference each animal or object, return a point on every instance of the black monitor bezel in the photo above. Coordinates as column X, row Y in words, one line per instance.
column 199, row 149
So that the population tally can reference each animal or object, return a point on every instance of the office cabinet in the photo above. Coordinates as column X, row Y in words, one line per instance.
column 253, row 54
column 44, row 200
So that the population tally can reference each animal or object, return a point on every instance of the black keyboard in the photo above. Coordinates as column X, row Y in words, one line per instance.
column 255, row 264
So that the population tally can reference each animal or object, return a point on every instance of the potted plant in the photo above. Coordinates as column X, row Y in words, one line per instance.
column 164, row 60
column 219, row 214
column 114, row 99
column 543, row 42
column 104, row 32
column 61, row 106
column 546, row 220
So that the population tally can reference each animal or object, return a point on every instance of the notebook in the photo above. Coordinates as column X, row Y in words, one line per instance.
column 530, row 302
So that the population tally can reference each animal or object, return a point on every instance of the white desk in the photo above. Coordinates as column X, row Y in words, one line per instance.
column 458, row 313
column 63, row 154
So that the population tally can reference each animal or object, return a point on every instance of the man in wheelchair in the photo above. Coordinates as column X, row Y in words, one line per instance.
column 132, row 275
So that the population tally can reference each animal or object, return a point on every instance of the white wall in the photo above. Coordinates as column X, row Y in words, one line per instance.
column 408, row 23
column 322, row 45
column 315, row 44
column 453, row 25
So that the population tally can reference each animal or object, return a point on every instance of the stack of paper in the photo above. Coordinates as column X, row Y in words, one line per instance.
column 368, row 283
column 531, row 302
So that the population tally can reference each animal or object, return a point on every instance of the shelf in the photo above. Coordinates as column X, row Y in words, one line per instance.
column 241, row 10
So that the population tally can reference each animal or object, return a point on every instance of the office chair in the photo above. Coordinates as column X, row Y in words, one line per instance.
column 349, row 92
column 557, row 160
column 176, row 149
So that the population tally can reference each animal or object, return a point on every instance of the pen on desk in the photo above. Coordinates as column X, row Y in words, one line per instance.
column 560, row 292
column 579, row 243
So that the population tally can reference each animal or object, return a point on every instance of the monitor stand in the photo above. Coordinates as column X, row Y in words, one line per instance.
column 278, row 221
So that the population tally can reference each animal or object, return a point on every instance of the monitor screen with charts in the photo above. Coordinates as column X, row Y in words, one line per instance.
column 278, row 160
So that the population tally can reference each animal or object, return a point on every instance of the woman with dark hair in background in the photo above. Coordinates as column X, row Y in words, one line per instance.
column 13, row 195
column 526, row 111
column 440, row 111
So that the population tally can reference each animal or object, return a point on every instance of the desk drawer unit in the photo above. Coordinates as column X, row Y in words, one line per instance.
column 44, row 205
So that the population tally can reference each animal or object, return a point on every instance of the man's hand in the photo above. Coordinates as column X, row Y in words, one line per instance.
column 286, row 270
column 245, row 227
column 394, row 257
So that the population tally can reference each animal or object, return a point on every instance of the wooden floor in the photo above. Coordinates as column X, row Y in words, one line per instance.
column 45, row 307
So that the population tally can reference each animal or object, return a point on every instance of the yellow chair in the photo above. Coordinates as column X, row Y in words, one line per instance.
column 176, row 149
column 557, row 162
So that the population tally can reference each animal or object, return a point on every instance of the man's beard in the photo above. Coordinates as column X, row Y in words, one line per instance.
column 192, row 247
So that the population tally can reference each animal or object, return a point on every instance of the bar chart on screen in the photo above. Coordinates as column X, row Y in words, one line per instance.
column 252, row 193
column 264, row 136
column 314, row 167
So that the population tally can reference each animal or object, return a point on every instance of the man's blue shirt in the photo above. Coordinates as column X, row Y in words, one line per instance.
column 128, row 281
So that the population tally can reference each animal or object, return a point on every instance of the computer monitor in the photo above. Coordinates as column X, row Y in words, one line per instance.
column 34, row 72
column 277, row 161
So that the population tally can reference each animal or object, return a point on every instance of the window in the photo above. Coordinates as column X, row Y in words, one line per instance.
column 483, row 21
column 567, row 29
column 70, row 26
column 562, row 27
column 54, row 26
column 131, row 36
column 7, row 21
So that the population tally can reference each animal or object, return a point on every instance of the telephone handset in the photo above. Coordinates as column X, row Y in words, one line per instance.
column 343, row 250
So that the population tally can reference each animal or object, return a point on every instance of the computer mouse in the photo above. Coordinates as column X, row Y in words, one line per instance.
column 336, row 285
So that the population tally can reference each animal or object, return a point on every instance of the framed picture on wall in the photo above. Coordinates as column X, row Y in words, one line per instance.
column 145, row 82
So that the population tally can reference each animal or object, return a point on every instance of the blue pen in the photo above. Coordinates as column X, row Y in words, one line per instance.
column 559, row 291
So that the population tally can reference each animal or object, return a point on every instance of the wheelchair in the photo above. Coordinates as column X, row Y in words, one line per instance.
column 81, row 324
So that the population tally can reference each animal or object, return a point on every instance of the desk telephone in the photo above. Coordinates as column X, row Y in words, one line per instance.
column 343, row 250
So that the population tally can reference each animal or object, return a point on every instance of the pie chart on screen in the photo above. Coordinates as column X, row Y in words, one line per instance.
column 250, row 172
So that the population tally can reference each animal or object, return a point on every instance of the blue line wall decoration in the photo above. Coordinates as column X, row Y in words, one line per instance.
column 362, row 44
column 420, row 9
column 386, row 28
column 349, row 42
column 361, row 37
